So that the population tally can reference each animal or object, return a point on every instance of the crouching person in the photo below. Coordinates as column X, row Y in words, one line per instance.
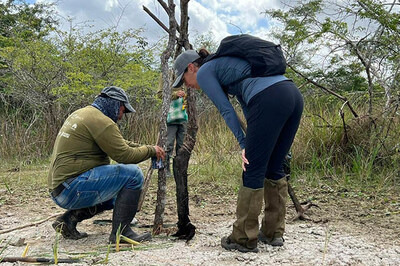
column 81, row 178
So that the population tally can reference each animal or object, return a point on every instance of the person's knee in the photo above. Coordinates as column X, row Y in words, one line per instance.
column 139, row 180
column 252, row 181
column 135, row 176
column 107, row 205
column 275, row 175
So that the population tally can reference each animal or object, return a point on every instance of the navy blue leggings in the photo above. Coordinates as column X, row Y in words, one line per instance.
column 272, row 122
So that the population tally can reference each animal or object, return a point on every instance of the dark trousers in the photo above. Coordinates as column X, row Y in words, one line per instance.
column 174, row 132
column 272, row 122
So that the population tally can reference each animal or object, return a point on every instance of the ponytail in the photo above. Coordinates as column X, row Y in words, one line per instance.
column 203, row 53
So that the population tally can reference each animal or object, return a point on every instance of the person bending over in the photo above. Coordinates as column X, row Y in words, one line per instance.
column 272, row 106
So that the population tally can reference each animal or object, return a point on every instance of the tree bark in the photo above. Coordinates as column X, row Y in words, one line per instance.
column 162, row 184
column 181, row 161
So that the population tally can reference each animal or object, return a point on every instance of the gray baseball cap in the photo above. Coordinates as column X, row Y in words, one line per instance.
column 180, row 65
column 120, row 95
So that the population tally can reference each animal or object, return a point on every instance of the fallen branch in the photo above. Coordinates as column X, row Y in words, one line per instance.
column 300, row 210
column 36, row 260
column 29, row 225
column 145, row 187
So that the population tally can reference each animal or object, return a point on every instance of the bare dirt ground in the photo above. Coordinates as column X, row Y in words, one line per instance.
column 347, row 229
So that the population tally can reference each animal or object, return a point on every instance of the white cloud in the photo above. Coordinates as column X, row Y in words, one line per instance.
column 226, row 17
column 221, row 18
column 203, row 20
column 110, row 4
column 122, row 13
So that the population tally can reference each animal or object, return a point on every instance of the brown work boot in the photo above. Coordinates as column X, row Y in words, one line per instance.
column 245, row 228
column 273, row 241
column 273, row 222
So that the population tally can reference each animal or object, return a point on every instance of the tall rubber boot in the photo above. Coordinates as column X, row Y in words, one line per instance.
column 67, row 222
column 273, row 222
column 245, row 228
column 125, row 210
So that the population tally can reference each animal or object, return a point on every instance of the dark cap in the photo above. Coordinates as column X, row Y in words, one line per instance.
column 181, row 63
column 119, row 94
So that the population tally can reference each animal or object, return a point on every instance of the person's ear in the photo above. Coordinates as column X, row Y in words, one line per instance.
column 191, row 67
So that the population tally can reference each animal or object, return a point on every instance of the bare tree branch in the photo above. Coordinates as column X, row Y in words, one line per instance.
column 168, row 11
column 325, row 89
column 155, row 18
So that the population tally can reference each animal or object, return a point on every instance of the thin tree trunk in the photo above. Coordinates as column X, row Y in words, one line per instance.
column 181, row 161
column 162, row 184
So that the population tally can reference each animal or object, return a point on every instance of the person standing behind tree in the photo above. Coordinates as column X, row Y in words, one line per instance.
column 273, row 107
column 81, row 178
column 176, row 125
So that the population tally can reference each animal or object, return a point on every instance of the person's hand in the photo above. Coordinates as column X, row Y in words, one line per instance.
column 244, row 160
column 180, row 93
column 160, row 153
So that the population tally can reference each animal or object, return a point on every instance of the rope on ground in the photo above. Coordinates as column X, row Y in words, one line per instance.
column 29, row 225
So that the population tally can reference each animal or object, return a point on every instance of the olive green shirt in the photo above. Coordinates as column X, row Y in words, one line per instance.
column 88, row 139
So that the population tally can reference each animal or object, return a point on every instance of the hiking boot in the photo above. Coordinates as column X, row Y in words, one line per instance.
column 275, row 241
column 245, row 228
column 228, row 244
column 125, row 210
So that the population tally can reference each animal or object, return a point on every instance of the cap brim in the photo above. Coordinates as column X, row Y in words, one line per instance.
column 129, row 108
column 178, row 81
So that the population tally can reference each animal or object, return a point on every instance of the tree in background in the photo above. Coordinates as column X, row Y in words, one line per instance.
column 20, row 24
column 47, row 73
column 351, row 45
column 352, row 48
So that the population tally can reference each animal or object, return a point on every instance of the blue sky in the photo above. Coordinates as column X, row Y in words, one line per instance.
column 28, row 1
column 220, row 17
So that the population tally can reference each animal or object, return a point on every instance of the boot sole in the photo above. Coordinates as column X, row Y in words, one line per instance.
column 229, row 245
column 274, row 242
column 140, row 238
column 143, row 237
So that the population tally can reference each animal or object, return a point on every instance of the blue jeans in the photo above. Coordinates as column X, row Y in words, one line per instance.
column 99, row 185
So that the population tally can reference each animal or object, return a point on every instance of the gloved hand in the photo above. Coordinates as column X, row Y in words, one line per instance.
column 186, row 232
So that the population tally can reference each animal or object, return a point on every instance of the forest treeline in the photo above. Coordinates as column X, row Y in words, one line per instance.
column 344, row 56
